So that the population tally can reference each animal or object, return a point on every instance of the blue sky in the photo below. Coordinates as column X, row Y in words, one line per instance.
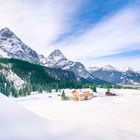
column 95, row 32
column 89, row 14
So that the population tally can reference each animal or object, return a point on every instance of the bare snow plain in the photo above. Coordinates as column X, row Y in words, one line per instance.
column 17, row 123
column 102, row 118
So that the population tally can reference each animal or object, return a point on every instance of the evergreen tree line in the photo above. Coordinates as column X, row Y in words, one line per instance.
column 38, row 79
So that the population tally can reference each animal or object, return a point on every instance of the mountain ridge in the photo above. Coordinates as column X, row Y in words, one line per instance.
column 117, row 76
column 57, row 60
column 12, row 47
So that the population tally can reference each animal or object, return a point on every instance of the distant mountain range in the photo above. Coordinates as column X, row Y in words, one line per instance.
column 113, row 75
column 12, row 47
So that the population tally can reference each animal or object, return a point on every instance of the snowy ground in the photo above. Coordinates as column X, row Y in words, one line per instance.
column 102, row 118
column 17, row 123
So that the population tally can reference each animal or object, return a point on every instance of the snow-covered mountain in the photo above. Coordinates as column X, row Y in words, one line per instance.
column 127, row 76
column 11, row 46
column 57, row 60
column 128, row 69
column 109, row 68
column 91, row 69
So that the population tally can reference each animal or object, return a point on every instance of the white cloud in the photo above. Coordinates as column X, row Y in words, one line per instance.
column 108, row 37
column 37, row 23
column 117, row 34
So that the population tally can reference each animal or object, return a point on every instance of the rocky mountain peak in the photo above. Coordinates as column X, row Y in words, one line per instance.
column 11, row 46
column 57, row 60
column 57, row 54
column 6, row 33
column 109, row 68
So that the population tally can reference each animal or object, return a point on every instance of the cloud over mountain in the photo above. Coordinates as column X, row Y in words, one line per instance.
column 105, row 31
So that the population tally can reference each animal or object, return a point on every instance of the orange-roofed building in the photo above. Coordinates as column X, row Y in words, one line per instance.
column 76, row 96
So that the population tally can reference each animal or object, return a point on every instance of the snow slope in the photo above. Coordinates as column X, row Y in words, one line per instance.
column 11, row 76
column 12, row 47
column 102, row 118
column 17, row 123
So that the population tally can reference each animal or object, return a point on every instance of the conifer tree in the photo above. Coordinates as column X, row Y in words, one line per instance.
column 63, row 96
column 94, row 88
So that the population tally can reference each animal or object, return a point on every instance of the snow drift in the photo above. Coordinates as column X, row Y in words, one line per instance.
column 17, row 123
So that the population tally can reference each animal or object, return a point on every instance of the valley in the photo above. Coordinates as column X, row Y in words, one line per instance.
column 99, row 118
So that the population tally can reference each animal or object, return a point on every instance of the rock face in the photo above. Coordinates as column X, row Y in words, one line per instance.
column 116, row 76
column 11, row 46
column 57, row 60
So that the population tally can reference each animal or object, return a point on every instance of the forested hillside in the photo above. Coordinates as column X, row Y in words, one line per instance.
column 20, row 78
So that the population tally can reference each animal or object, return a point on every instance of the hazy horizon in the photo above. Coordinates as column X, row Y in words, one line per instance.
column 94, row 32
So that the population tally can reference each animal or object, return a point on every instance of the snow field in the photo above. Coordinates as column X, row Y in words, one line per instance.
column 101, row 118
